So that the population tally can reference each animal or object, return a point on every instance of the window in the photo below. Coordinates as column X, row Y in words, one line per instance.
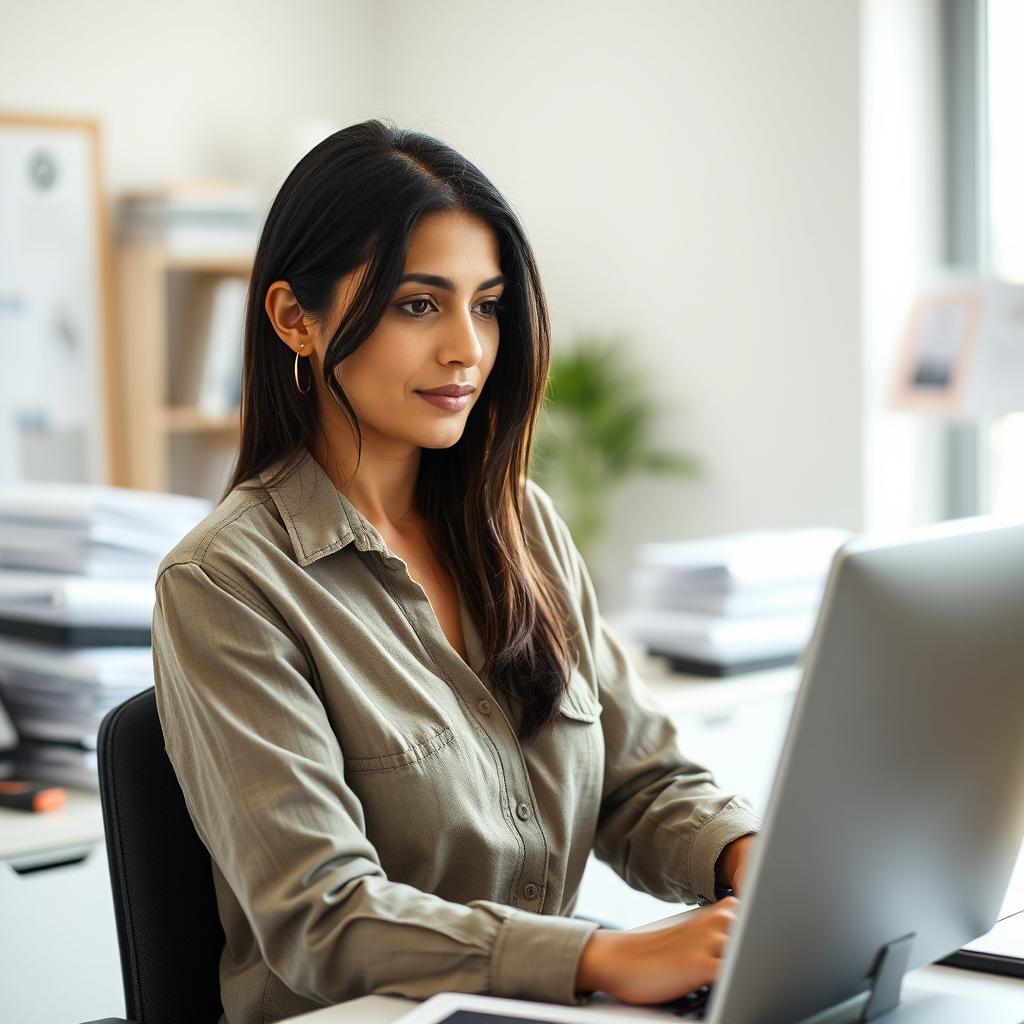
column 1003, row 172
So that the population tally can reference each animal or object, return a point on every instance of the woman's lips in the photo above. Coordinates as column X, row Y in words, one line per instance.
column 449, row 402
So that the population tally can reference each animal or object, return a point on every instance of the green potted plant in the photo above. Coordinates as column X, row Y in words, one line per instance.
column 595, row 429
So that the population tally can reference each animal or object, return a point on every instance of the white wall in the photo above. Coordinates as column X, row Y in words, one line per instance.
column 232, row 88
column 689, row 173
column 902, row 243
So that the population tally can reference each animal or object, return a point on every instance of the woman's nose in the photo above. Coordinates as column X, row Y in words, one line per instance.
column 461, row 341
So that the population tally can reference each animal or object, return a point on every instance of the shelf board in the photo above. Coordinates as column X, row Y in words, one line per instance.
column 188, row 419
column 222, row 261
column 215, row 262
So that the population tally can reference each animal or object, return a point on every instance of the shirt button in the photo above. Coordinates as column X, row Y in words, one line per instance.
column 523, row 811
column 531, row 891
column 484, row 707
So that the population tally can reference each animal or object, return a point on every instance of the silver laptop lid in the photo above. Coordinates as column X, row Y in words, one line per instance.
column 898, row 807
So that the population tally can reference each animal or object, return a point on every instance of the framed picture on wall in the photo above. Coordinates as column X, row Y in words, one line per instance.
column 938, row 350
column 55, row 301
column 962, row 353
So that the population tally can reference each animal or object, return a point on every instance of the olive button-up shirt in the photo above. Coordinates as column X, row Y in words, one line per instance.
column 373, row 822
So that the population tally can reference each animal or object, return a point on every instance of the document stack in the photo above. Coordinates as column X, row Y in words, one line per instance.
column 729, row 604
column 77, row 567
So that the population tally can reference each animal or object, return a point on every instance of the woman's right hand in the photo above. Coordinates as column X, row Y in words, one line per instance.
column 656, row 966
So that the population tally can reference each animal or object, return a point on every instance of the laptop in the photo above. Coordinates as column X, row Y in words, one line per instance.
column 897, row 810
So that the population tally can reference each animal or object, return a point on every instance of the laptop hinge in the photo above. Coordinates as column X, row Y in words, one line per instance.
column 887, row 977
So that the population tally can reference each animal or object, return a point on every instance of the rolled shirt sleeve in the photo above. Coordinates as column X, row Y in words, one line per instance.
column 663, row 821
column 263, row 778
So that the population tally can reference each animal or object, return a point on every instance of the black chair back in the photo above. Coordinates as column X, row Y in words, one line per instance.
column 168, row 929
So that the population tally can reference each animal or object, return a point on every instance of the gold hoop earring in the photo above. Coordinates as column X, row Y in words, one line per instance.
column 297, row 384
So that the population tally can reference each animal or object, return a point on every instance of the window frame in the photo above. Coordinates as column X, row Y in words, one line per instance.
column 967, row 221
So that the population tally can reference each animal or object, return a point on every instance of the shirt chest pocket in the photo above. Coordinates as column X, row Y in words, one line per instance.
column 403, row 758
column 574, row 746
column 392, row 720
column 435, row 804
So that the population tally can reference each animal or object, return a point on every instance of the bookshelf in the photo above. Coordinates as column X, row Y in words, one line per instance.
column 170, row 439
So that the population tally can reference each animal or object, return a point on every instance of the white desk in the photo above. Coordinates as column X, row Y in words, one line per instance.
column 1001, row 992
column 79, row 822
column 58, row 916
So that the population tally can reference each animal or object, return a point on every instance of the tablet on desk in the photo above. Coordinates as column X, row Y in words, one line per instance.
column 459, row 1008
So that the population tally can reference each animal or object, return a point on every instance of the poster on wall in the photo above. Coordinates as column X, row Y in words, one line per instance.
column 54, row 284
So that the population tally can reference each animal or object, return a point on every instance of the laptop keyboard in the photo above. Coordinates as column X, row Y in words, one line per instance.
column 693, row 1005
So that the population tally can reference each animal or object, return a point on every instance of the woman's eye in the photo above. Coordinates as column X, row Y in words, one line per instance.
column 494, row 307
column 413, row 302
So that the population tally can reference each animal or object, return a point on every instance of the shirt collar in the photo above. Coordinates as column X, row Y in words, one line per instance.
column 319, row 518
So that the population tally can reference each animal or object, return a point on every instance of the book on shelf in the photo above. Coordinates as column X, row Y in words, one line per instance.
column 220, row 382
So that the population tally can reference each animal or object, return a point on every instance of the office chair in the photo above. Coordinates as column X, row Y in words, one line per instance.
column 168, row 930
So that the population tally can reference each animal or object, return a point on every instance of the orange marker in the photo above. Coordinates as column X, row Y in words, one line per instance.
column 31, row 796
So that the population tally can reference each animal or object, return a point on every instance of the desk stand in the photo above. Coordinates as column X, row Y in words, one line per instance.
column 916, row 1006
column 887, row 977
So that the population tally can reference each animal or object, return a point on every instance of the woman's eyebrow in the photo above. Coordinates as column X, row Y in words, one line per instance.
column 447, row 284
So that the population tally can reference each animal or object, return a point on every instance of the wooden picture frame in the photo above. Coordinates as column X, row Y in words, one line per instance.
column 56, row 302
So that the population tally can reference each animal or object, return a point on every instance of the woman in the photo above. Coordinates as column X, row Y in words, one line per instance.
column 398, row 718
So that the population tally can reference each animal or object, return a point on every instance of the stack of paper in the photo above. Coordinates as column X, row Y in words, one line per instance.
column 58, row 697
column 77, row 567
column 732, row 603
column 74, row 610
column 90, row 529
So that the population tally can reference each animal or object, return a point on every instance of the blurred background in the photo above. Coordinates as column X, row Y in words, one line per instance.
column 783, row 247
column 749, row 195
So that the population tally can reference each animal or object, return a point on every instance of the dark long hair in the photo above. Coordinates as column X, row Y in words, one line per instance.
column 354, row 199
